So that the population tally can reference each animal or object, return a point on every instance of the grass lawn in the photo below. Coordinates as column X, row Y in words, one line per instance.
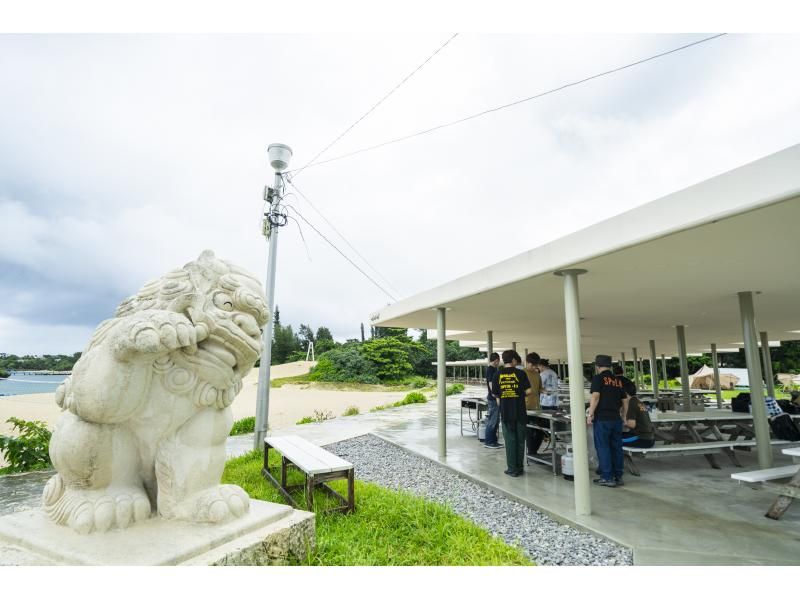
column 352, row 386
column 387, row 528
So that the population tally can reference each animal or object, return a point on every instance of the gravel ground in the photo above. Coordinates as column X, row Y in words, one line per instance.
column 545, row 540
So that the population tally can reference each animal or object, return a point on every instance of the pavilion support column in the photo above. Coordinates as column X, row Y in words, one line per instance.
column 622, row 363
column 489, row 344
column 758, row 406
column 687, row 394
column 441, row 357
column 514, row 346
column 524, row 355
column 717, row 385
column 767, row 357
column 654, row 369
column 572, row 312
column 636, row 369
column 664, row 372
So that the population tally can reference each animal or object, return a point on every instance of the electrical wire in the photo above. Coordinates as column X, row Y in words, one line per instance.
column 378, row 103
column 341, row 236
column 511, row 104
column 329, row 242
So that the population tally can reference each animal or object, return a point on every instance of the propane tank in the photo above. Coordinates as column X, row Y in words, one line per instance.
column 482, row 430
column 568, row 464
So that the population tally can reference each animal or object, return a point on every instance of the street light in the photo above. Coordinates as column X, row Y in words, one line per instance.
column 279, row 157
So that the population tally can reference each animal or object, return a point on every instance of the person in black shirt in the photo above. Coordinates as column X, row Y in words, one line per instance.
column 627, row 383
column 606, row 412
column 493, row 416
column 509, row 386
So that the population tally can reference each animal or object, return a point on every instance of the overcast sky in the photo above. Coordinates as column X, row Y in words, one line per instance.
column 122, row 157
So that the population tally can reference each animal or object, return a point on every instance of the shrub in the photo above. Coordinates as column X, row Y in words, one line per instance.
column 418, row 382
column 319, row 416
column 243, row 426
column 352, row 410
column 454, row 389
column 29, row 450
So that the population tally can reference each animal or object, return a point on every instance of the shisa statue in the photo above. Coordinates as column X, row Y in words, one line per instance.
column 147, row 408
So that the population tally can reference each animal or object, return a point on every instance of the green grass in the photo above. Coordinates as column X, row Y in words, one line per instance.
column 352, row 410
column 243, row 426
column 414, row 383
column 387, row 528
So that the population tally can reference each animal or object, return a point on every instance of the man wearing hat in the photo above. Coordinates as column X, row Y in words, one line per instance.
column 605, row 415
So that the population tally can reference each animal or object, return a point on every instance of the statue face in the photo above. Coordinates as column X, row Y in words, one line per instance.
column 235, row 312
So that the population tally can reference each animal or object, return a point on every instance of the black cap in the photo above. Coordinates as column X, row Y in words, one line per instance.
column 603, row 361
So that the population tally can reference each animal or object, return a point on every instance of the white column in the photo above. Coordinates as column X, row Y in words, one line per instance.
column 664, row 372
column 572, row 312
column 687, row 394
column 654, row 369
column 441, row 355
column 767, row 357
column 757, row 405
column 514, row 346
column 489, row 344
column 717, row 385
column 636, row 369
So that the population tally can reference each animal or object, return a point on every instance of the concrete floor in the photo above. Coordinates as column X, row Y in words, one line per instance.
column 679, row 512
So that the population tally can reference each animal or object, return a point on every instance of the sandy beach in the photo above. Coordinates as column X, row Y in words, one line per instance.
column 287, row 404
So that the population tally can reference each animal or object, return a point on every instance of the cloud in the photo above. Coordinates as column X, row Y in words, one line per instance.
column 123, row 157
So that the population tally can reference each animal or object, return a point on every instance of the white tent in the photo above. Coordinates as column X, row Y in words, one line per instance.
column 704, row 378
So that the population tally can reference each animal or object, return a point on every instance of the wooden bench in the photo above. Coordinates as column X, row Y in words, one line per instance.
column 318, row 465
column 786, row 491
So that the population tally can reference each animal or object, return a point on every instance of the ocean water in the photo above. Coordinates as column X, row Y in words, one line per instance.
column 19, row 384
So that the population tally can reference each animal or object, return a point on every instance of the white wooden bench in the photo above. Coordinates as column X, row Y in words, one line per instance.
column 318, row 465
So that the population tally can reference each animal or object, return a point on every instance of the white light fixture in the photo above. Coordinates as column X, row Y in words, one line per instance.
column 279, row 156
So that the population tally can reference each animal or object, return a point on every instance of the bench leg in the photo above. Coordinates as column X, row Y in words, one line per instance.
column 632, row 469
column 732, row 456
column 283, row 471
column 783, row 502
column 351, row 491
column 310, row 492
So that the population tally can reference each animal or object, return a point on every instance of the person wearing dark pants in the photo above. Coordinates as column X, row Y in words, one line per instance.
column 493, row 415
column 606, row 411
column 510, row 386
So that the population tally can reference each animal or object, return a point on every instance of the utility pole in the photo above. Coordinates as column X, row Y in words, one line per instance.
column 274, row 218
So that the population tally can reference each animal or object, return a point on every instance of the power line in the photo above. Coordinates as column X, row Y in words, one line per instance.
column 329, row 242
column 349, row 244
column 378, row 103
column 515, row 103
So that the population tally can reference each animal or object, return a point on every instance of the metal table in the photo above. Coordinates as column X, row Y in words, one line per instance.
column 557, row 425
column 479, row 404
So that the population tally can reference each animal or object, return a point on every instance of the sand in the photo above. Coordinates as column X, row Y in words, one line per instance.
column 288, row 404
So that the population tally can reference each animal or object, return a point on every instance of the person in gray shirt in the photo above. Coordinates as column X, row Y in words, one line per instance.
column 548, row 399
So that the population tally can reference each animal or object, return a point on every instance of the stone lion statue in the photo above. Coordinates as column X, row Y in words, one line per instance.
column 147, row 408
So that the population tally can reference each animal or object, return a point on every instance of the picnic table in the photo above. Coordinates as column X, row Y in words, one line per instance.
column 686, row 433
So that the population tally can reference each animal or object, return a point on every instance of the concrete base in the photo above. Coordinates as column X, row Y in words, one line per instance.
column 270, row 533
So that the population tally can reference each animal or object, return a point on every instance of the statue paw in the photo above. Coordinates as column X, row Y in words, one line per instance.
column 159, row 332
column 214, row 505
column 88, row 511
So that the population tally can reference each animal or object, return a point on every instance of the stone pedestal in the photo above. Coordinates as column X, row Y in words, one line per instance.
column 270, row 533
